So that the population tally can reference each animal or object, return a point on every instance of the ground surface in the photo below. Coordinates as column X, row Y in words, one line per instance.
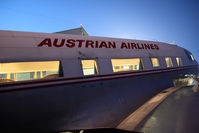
column 178, row 113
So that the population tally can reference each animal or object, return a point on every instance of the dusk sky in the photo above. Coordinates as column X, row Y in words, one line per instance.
column 171, row 21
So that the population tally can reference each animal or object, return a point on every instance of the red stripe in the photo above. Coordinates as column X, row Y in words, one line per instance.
column 92, row 80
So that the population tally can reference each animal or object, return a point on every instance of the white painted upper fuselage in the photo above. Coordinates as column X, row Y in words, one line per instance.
column 27, row 46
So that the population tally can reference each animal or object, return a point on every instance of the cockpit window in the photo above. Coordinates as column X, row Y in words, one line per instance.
column 19, row 71
column 189, row 55
column 192, row 57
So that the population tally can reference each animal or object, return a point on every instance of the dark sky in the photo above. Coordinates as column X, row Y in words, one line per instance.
column 171, row 21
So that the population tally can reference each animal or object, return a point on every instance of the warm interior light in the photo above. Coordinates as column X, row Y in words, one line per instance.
column 89, row 67
column 29, row 70
column 169, row 62
column 126, row 64
column 155, row 62
column 179, row 61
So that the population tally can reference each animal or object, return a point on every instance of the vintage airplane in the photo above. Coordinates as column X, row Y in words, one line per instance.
column 59, row 82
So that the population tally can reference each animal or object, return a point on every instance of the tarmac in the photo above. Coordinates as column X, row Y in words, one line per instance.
column 178, row 113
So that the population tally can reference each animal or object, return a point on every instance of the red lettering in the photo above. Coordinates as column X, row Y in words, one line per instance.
column 156, row 47
column 124, row 45
column 46, row 41
column 111, row 45
column 103, row 44
column 138, row 46
column 70, row 43
column 142, row 46
column 147, row 46
column 152, row 46
column 133, row 45
column 58, row 45
column 129, row 45
column 96, row 44
column 89, row 43
column 80, row 43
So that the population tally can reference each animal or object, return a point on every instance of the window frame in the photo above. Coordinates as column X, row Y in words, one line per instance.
column 157, row 60
column 25, row 71
column 193, row 59
column 170, row 59
column 189, row 55
column 96, row 66
column 133, row 66
column 179, row 61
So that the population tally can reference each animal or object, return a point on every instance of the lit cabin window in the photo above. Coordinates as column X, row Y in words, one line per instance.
column 155, row 62
column 20, row 71
column 126, row 64
column 89, row 67
column 169, row 62
column 179, row 61
column 192, row 57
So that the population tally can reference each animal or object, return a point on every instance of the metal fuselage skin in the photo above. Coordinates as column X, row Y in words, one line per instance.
column 74, row 101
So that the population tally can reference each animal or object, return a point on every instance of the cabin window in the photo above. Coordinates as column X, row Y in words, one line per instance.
column 169, row 62
column 179, row 61
column 127, row 64
column 20, row 71
column 155, row 62
column 89, row 67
